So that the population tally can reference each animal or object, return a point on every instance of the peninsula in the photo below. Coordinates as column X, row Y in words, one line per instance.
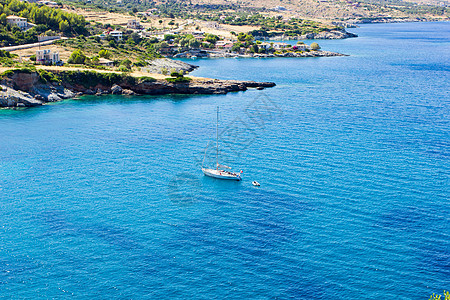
column 27, row 87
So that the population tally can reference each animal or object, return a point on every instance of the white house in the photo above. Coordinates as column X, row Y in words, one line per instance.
column 46, row 56
column 19, row 21
column 302, row 47
column 116, row 34
column 265, row 45
column 222, row 43
column 134, row 24
column 48, row 3
column 280, row 45
column 226, row 45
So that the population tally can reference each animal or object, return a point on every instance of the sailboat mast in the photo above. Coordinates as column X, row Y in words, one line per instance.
column 217, row 140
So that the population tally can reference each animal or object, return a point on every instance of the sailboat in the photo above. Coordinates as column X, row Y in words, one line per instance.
column 219, row 172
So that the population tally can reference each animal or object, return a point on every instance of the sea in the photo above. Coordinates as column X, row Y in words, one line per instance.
column 104, row 197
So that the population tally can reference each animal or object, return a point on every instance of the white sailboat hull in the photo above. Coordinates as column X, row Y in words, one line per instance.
column 221, row 174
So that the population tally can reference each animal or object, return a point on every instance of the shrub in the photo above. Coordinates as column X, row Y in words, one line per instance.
column 77, row 57
column 176, row 74
column 104, row 53
column 146, row 79
column 178, row 79
column 315, row 46
column 8, row 73
column 4, row 53
column 124, row 69
column 126, row 63
column 46, row 76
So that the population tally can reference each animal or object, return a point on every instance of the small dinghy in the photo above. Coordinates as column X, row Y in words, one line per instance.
column 255, row 183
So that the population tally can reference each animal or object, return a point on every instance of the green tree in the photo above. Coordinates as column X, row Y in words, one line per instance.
column 168, row 37
column 104, row 53
column 3, row 19
column 77, row 57
column 127, row 63
column 176, row 74
column 254, row 48
column 212, row 38
column 95, row 60
column 193, row 43
column 64, row 26
column 244, row 37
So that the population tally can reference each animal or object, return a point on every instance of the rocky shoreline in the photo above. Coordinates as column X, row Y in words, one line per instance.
column 224, row 54
column 323, row 35
column 160, row 65
column 26, row 90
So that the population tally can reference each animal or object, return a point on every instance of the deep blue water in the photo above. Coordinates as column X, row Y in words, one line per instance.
column 104, row 197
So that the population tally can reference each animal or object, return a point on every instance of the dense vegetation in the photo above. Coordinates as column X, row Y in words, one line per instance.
column 90, row 79
column 131, row 51
column 47, row 19
column 178, row 77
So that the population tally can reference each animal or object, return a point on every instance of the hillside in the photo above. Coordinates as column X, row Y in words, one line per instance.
column 323, row 10
column 40, row 20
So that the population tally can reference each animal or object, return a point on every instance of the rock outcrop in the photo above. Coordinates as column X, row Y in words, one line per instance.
column 197, row 86
column 165, row 65
column 324, row 35
column 328, row 35
column 24, row 81
column 25, row 90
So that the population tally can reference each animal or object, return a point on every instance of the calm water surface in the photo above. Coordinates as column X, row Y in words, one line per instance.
column 104, row 197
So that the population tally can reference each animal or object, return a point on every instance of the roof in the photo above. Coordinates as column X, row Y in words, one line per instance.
column 15, row 17
column 102, row 60
column 115, row 32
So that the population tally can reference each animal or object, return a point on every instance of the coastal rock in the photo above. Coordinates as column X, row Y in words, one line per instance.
column 53, row 97
column 101, row 92
column 328, row 35
column 67, row 94
column 128, row 92
column 165, row 65
column 12, row 98
column 197, row 86
column 39, row 97
column 51, row 92
column 116, row 90
column 24, row 81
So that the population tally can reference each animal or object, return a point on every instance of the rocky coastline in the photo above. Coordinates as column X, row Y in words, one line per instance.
column 225, row 54
column 27, row 90
column 323, row 35
column 160, row 65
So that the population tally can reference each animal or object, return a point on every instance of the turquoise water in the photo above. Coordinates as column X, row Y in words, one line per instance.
column 104, row 197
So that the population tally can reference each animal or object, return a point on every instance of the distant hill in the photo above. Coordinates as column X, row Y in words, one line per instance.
column 332, row 10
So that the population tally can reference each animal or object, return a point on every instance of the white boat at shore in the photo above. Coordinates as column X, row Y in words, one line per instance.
column 219, row 172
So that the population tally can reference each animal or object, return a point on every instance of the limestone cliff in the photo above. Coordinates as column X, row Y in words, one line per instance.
column 27, row 88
